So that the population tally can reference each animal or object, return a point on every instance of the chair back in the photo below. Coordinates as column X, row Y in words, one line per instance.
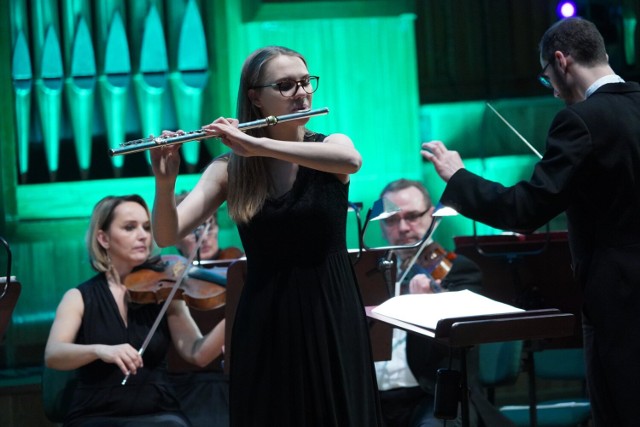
column 554, row 364
column 500, row 363
column 560, row 364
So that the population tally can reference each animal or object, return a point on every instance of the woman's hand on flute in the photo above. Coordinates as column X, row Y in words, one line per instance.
column 214, row 129
column 239, row 142
column 165, row 160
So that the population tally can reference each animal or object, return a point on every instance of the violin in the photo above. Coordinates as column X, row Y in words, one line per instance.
column 229, row 253
column 434, row 262
column 153, row 284
column 215, row 270
column 169, row 281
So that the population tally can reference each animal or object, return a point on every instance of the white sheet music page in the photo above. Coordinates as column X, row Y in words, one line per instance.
column 427, row 309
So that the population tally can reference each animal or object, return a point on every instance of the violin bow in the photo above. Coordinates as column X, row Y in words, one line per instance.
column 425, row 243
column 174, row 289
column 515, row 131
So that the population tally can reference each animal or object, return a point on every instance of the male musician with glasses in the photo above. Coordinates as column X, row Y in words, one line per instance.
column 591, row 170
column 407, row 381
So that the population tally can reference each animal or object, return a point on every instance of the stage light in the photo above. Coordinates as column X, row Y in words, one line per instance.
column 566, row 9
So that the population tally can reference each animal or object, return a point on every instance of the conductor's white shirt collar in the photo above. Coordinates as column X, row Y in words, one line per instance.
column 611, row 78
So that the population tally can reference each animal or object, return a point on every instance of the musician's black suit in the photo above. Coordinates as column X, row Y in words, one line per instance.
column 591, row 169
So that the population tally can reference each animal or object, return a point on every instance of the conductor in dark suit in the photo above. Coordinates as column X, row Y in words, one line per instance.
column 591, row 170
column 407, row 381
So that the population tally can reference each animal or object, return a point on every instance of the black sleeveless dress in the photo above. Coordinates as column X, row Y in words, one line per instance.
column 301, row 354
column 147, row 399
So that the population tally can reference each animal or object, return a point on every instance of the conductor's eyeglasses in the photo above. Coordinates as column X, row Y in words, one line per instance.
column 409, row 217
column 289, row 87
column 544, row 79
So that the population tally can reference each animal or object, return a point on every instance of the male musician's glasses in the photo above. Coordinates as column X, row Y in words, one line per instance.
column 409, row 217
column 289, row 87
column 544, row 79
column 200, row 229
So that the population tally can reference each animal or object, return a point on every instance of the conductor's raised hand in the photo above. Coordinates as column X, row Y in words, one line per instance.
column 124, row 355
column 165, row 160
column 446, row 162
column 239, row 142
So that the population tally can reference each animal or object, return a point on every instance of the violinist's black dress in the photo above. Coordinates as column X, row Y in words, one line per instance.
column 100, row 400
column 300, row 345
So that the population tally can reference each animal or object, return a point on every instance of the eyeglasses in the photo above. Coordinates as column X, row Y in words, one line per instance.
column 200, row 229
column 544, row 79
column 409, row 218
column 289, row 87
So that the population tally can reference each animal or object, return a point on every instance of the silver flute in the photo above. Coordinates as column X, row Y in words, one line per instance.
column 196, row 135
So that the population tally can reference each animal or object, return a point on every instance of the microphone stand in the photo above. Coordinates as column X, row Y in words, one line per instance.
column 196, row 233
column 387, row 262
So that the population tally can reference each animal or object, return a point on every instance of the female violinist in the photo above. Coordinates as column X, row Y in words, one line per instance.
column 407, row 381
column 99, row 331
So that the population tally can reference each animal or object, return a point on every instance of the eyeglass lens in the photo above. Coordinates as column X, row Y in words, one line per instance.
column 199, row 229
column 409, row 217
column 290, row 87
column 544, row 79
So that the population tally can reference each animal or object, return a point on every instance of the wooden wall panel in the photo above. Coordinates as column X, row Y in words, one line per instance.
column 487, row 49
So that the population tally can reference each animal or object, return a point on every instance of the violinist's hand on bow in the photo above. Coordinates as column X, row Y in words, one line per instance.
column 165, row 161
column 446, row 162
column 126, row 357
column 239, row 142
column 421, row 284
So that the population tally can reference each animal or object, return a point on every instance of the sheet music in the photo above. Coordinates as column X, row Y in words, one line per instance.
column 426, row 310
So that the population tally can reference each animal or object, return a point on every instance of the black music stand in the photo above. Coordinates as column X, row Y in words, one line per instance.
column 531, row 272
column 465, row 332
column 9, row 293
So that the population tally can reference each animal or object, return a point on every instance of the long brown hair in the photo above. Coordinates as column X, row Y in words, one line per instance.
column 249, row 180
